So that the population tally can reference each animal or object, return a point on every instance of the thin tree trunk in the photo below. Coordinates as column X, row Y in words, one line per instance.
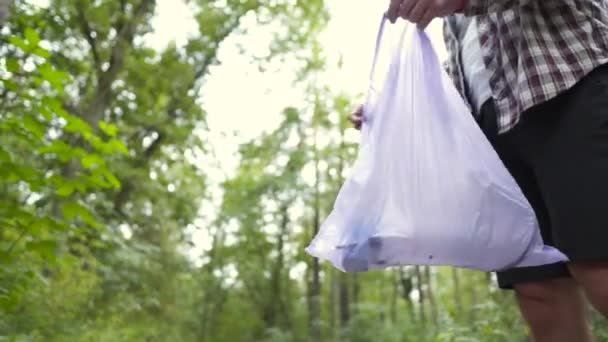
column 279, row 310
column 431, row 295
column 333, row 303
column 473, row 295
column 356, row 293
column 394, row 296
column 4, row 11
column 381, row 286
column 407, row 286
column 214, row 295
column 343, row 289
column 457, row 291
column 344, row 300
column 315, row 288
column 421, row 297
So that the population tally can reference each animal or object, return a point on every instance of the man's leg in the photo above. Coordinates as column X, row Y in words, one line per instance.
column 569, row 154
column 548, row 298
column 554, row 309
column 593, row 278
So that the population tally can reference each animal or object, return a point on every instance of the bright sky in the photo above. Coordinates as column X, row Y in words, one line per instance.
column 242, row 102
column 239, row 98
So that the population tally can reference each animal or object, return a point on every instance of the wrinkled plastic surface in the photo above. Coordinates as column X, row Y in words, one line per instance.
column 427, row 187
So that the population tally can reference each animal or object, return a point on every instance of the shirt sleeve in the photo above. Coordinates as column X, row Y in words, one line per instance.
column 479, row 7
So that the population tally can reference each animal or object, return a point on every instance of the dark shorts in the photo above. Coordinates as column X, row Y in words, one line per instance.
column 558, row 154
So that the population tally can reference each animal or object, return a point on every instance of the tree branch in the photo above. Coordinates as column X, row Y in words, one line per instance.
column 4, row 11
column 88, row 35
column 125, row 33
column 124, row 38
column 127, row 188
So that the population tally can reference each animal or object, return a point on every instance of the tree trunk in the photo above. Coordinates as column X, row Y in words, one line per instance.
column 4, row 11
column 343, row 289
column 457, row 292
column 315, row 286
column 333, row 303
column 356, row 292
column 279, row 314
column 473, row 295
column 343, row 296
column 215, row 295
column 421, row 296
column 394, row 296
column 407, row 286
column 431, row 295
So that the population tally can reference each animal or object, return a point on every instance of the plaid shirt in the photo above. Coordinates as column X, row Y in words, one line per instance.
column 534, row 49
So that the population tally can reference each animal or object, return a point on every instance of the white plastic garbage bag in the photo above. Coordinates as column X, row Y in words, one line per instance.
column 427, row 187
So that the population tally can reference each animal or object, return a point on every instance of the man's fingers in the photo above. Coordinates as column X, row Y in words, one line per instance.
column 406, row 8
column 419, row 10
column 356, row 121
column 426, row 19
column 393, row 10
column 356, row 117
column 359, row 110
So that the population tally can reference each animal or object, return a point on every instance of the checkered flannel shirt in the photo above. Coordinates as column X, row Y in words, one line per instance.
column 534, row 49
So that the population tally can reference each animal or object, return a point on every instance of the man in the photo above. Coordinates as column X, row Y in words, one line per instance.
column 535, row 74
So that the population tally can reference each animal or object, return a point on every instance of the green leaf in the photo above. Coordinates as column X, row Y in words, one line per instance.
column 18, row 42
column 42, row 52
column 55, row 78
column 34, row 126
column 10, row 85
column 65, row 189
column 45, row 224
column 26, row 173
column 88, row 218
column 70, row 210
column 12, row 65
column 91, row 160
column 45, row 248
column 109, row 129
column 47, row 114
column 57, row 147
column 77, row 125
column 82, row 188
column 111, row 178
column 4, row 155
column 98, row 144
column 119, row 146
column 56, row 106
column 37, row 81
column 32, row 36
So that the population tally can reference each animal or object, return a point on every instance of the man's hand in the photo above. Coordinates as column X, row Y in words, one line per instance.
column 356, row 117
column 421, row 12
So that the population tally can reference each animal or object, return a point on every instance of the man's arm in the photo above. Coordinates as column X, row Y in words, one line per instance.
column 421, row 12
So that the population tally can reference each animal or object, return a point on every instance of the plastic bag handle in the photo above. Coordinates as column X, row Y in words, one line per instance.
column 375, row 58
column 370, row 88
column 377, row 49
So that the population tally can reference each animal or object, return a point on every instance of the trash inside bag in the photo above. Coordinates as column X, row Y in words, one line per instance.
column 427, row 187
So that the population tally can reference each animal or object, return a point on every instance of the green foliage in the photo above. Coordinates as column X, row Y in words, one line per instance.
column 39, row 139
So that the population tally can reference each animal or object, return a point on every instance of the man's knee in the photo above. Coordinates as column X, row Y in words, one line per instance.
column 593, row 277
column 593, row 273
column 546, row 292
column 547, row 303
